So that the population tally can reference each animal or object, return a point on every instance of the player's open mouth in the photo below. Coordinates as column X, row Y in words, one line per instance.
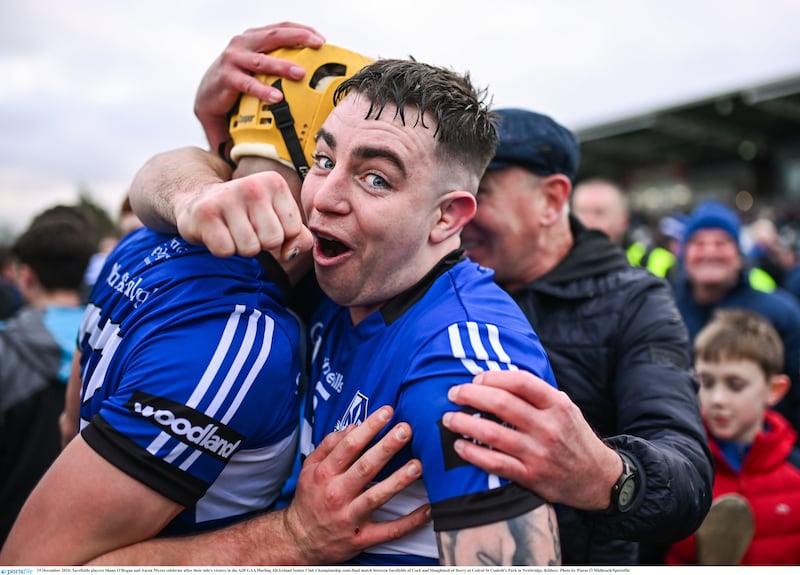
column 329, row 249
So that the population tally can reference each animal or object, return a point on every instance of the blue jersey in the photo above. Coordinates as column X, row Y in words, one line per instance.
column 190, row 372
column 456, row 323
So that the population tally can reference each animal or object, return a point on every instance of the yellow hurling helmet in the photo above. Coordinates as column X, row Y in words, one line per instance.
column 285, row 131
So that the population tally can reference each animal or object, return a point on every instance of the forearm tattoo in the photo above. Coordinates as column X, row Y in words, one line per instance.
column 529, row 539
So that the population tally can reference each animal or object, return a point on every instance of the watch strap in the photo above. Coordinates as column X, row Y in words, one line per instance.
column 625, row 489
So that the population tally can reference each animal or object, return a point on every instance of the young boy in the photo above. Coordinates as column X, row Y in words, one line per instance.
column 738, row 360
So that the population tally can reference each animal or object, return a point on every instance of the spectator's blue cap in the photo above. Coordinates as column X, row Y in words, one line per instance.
column 713, row 215
column 535, row 142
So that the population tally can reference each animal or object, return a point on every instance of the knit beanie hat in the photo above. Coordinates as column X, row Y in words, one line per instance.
column 713, row 215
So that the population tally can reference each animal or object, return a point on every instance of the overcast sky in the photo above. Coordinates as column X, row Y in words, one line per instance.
column 89, row 89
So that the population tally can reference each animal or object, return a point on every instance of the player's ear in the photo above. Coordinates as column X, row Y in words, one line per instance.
column 456, row 209
column 556, row 189
column 778, row 387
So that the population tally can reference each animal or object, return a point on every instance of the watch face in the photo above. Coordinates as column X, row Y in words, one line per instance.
column 626, row 492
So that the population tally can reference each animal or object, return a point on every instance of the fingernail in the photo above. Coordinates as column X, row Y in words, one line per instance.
column 297, row 72
column 446, row 418
column 458, row 445
column 452, row 393
column 412, row 470
column 384, row 414
column 401, row 433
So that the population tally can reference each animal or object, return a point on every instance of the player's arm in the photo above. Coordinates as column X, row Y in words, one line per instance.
column 189, row 190
column 84, row 507
column 329, row 520
column 171, row 179
column 528, row 539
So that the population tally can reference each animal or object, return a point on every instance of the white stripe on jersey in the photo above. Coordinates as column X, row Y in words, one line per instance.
column 219, row 354
column 112, row 341
column 160, row 441
column 494, row 339
column 306, row 435
column 478, row 348
column 263, row 354
column 457, row 347
column 238, row 363
column 257, row 473
column 89, row 323
column 223, row 348
column 421, row 542
column 455, row 341
column 244, row 352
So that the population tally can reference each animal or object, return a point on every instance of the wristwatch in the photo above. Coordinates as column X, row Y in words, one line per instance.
column 624, row 491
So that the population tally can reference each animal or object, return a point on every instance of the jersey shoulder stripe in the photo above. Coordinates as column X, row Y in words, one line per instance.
column 476, row 337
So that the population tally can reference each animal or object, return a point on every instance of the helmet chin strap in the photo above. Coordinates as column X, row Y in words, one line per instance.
column 285, row 123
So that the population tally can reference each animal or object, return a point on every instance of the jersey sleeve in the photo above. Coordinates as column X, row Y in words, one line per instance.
column 463, row 495
column 193, row 393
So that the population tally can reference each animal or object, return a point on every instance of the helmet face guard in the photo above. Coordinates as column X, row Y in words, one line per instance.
column 285, row 131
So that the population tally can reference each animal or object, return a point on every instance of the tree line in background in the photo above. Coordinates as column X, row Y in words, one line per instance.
column 104, row 223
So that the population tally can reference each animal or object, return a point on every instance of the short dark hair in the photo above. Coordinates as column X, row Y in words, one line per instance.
column 740, row 334
column 57, row 246
column 465, row 128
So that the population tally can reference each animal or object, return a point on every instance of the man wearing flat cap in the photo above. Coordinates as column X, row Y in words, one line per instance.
column 623, row 452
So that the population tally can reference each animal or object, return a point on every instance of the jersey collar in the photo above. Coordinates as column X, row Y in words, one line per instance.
column 402, row 302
